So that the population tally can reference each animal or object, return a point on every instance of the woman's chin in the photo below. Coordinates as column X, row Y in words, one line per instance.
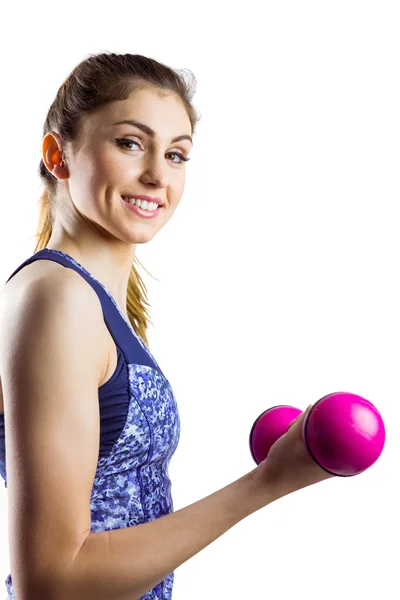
column 141, row 237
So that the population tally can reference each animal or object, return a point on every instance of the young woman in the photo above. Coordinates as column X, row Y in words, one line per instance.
column 89, row 421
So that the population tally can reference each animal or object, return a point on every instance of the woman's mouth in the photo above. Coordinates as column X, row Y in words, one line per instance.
column 142, row 208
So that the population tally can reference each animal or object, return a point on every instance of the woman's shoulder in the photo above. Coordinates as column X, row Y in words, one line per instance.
column 35, row 271
column 47, row 283
column 50, row 275
column 42, row 284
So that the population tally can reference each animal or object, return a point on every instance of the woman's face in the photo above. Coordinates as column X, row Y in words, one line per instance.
column 115, row 160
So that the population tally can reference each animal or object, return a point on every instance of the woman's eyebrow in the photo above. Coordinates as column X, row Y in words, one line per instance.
column 150, row 132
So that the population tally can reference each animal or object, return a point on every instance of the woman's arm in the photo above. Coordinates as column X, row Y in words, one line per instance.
column 124, row 564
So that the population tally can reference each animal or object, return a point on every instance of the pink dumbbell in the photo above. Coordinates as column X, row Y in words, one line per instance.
column 343, row 433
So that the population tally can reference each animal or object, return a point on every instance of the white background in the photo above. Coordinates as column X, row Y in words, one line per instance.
column 278, row 274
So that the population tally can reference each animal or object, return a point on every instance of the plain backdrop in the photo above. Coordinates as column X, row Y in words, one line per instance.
column 277, row 279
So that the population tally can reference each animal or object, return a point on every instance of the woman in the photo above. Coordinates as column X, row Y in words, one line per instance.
column 91, row 421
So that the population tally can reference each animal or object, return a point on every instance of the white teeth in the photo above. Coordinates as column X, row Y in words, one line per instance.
column 144, row 204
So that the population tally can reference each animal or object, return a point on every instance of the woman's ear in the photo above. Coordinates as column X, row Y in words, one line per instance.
column 52, row 155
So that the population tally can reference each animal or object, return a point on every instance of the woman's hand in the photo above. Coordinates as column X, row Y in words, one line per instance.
column 288, row 464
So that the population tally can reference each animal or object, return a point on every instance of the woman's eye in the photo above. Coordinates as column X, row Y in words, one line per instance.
column 125, row 142
column 181, row 157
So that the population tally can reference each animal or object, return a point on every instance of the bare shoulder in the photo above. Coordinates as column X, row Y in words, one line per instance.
column 45, row 283
column 52, row 283
column 40, row 271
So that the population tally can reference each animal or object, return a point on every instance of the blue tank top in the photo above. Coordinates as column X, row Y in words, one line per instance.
column 139, row 430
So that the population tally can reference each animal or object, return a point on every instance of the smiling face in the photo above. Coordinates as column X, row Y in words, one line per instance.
column 116, row 159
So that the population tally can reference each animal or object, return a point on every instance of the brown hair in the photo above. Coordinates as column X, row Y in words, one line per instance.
column 97, row 80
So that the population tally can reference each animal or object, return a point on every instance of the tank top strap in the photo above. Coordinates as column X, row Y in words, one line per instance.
column 121, row 330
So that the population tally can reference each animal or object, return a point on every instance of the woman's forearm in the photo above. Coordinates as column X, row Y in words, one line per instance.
column 126, row 563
